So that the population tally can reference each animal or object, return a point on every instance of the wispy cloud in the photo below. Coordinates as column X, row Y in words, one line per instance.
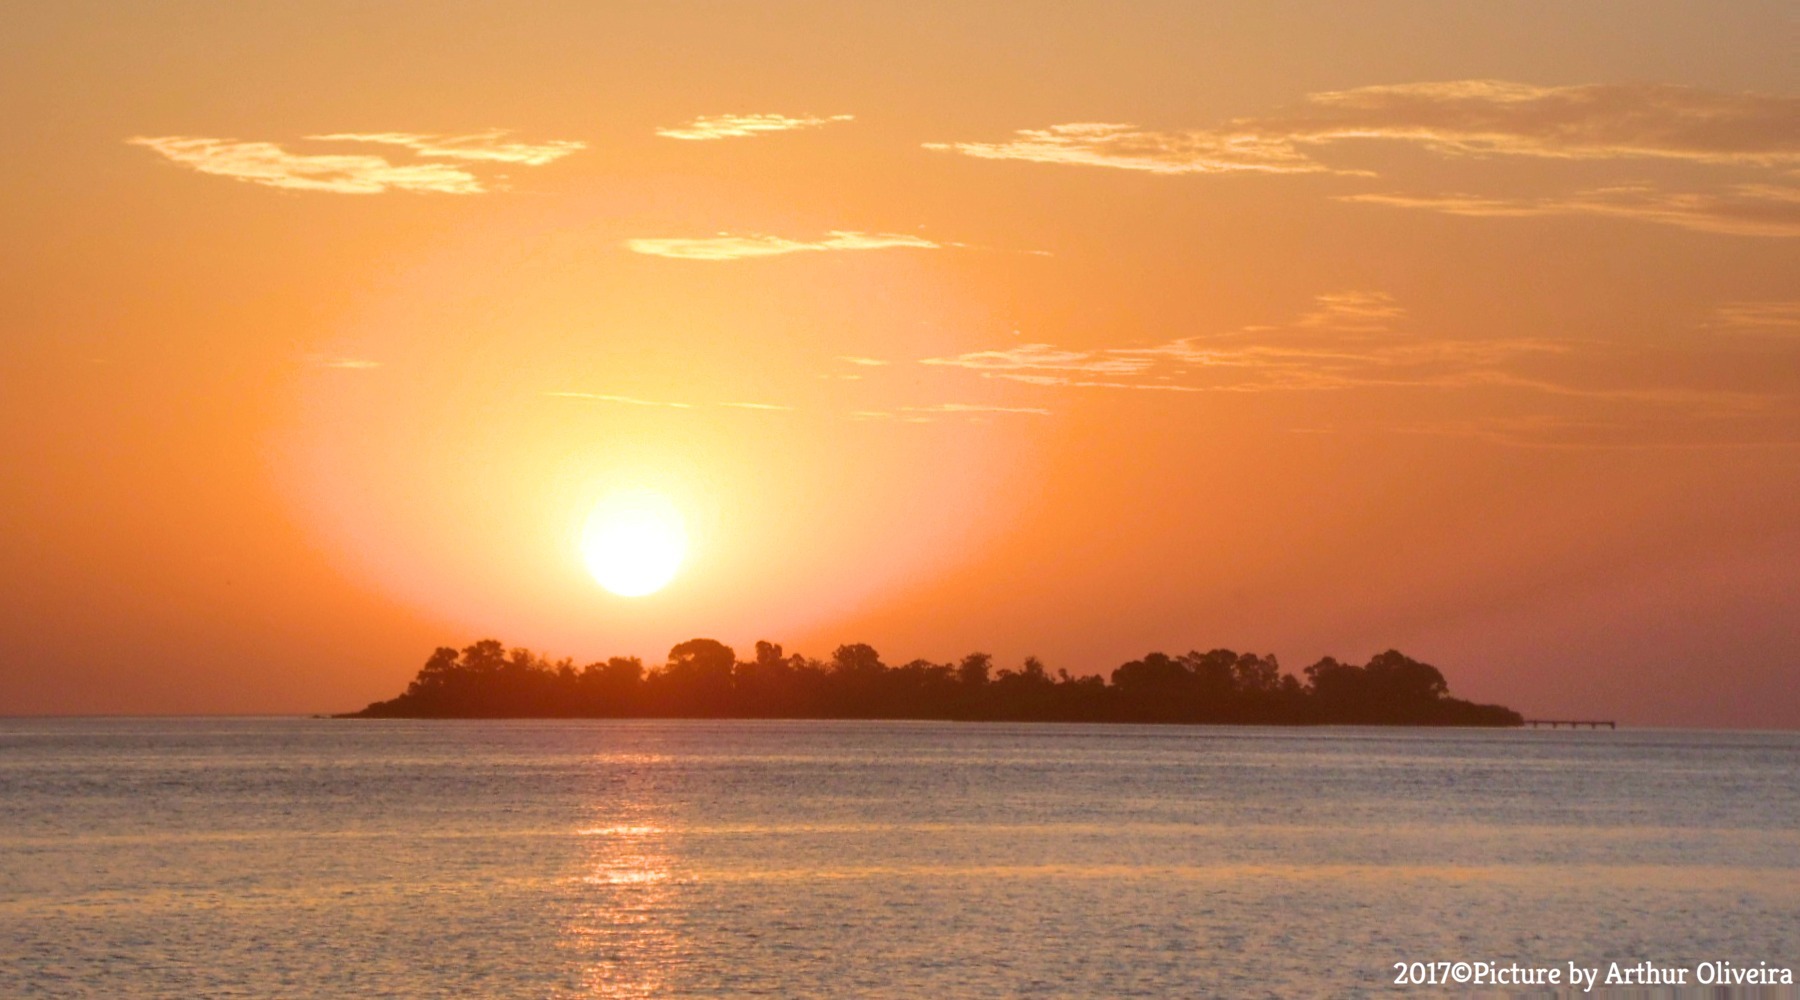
column 976, row 408
column 271, row 165
column 491, row 146
column 345, row 363
column 901, row 416
column 1781, row 316
column 1127, row 147
column 1523, row 390
column 1042, row 357
column 1327, row 366
column 1086, row 383
column 1658, row 429
column 1744, row 210
column 1536, row 431
column 1342, row 344
column 600, row 397
column 865, row 362
column 736, row 126
column 1458, row 117
column 1482, row 118
column 268, row 164
column 1357, row 311
column 728, row 247
column 1594, row 121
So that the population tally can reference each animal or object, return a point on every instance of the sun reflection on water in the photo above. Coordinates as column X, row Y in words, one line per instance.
column 625, row 928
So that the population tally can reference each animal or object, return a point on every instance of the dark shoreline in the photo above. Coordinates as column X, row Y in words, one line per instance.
column 365, row 714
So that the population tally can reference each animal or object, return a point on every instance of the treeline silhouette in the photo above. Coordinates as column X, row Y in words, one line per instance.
column 704, row 678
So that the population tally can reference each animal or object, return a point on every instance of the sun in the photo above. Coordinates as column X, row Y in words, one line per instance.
column 634, row 542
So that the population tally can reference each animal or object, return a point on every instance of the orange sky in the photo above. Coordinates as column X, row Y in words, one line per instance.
column 1079, row 331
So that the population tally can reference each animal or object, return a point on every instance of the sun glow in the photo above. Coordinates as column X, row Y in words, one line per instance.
column 634, row 543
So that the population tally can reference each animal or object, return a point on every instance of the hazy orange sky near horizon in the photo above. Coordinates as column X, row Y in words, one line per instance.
column 1077, row 331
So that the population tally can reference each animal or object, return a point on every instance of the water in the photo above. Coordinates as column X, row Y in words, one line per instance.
column 319, row 858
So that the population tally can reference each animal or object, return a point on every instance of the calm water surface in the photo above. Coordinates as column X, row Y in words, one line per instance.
column 317, row 858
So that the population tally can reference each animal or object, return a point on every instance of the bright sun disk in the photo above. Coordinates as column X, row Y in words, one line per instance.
column 634, row 542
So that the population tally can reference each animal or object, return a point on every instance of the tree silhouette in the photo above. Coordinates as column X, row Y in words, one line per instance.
column 703, row 678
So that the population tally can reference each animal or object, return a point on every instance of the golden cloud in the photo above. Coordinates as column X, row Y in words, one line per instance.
column 271, row 165
column 480, row 146
column 728, row 247
column 737, row 126
column 1042, row 357
column 268, row 164
column 1126, row 147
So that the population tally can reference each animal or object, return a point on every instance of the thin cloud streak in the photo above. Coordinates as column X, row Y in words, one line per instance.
column 1074, row 383
column 710, row 127
column 1552, row 432
column 1777, row 317
column 905, row 418
column 1746, row 210
column 1205, row 352
column 1042, row 357
column 1352, row 329
column 599, row 397
column 728, row 247
column 480, row 146
column 976, row 408
column 1126, row 147
column 1358, row 311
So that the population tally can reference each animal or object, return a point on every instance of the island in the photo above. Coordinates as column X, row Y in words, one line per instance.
column 704, row 678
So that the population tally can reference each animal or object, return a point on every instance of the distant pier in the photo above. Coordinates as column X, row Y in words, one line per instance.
column 1572, row 723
